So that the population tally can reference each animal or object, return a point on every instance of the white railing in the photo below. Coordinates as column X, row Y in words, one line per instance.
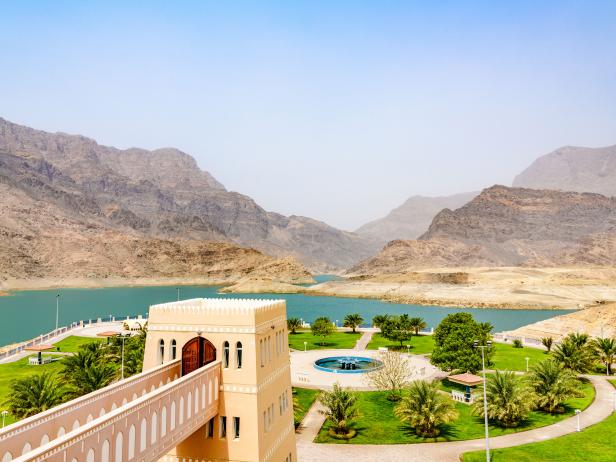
column 149, row 443
column 460, row 397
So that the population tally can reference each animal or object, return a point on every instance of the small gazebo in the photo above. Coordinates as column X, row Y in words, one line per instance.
column 468, row 380
column 108, row 334
column 38, row 360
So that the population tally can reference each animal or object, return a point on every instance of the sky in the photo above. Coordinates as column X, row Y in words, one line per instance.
column 336, row 110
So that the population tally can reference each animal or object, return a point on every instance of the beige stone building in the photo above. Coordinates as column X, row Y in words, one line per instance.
column 249, row 337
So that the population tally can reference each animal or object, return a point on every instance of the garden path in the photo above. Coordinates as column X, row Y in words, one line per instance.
column 364, row 340
column 308, row 451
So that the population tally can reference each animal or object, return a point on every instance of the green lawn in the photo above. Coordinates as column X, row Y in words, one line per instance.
column 420, row 344
column 593, row 444
column 339, row 340
column 377, row 423
column 305, row 397
column 72, row 343
column 17, row 370
column 508, row 358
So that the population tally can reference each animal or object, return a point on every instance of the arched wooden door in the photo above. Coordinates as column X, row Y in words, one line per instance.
column 197, row 353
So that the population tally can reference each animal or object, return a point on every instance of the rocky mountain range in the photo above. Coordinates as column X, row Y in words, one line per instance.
column 412, row 218
column 160, row 195
column 506, row 226
column 572, row 168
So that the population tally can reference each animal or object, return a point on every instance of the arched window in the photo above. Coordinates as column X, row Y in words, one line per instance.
column 27, row 448
column 143, row 436
column 173, row 350
column 154, row 429
column 161, row 351
column 119, row 447
column 238, row 354
column 90, row 456
column 189, row 405
column 131, row 442
column 225, row 355
column 44, row 439
column 163, row 421
column 8, row 457
column 209, row 392
column 203, row 396
column 181, row 410
column 196, row 407
column 262, row 352
column 105, row 452
column 172, row 419
column 216, row 388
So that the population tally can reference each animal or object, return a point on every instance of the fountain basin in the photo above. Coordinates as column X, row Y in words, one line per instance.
column 347, row 364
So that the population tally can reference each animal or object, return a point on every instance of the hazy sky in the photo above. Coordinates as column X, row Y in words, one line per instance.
column 334, row 110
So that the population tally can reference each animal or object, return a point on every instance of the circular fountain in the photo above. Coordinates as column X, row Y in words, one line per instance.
column 347, row 364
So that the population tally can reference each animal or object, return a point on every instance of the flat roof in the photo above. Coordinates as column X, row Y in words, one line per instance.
column 467, row 378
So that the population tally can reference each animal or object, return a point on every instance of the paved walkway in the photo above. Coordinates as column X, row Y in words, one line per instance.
column 308, row 451
column 364, row 340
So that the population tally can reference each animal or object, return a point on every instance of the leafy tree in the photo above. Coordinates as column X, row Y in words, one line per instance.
column 517, row 343
column 425, row 409
column 417, row 324
column 398, row 329
column 340, row 408
column 605, row 349
column 89, row 369
column 509, row 399
column 293, row 324
column 552, row 385
column 547, row 342
column 379, row 319
column 34, row 394
column 353, row 321
column 574, row 353
column 453, row 343
column 322, row 327
column 393, row 376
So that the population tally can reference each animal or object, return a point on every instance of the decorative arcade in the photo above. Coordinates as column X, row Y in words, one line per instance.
column 216, row 386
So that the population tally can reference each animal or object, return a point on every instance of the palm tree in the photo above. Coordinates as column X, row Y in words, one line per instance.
column 340, row 408
column 509, row 399
column 605, row 349
column 88, row 370
column 574, row 354
column 417, row 324
column 578, row 339
column 547, row 343
column 424, row 408
column 553, row 384
column 34, row 394
column 379, row 319
column 293, row 324
column 353, row 320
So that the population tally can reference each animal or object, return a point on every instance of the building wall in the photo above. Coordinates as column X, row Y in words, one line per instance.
column 259, row 392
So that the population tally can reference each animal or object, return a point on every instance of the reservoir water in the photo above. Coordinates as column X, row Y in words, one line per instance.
column 26, row 314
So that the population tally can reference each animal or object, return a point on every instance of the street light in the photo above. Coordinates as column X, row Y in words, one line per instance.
column 4, row 414
column 485, row 398
column 408, row 349
column 57, row 309
column 527, row 358
column 305, row 346
column 577, row 413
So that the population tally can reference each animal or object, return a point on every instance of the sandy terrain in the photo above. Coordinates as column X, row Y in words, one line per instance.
column 513, row 288
column 597, row 321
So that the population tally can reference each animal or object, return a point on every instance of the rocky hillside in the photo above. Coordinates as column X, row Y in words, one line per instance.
column 162, row 194
column 509, row 227
column 572, row 168
column 412, row 219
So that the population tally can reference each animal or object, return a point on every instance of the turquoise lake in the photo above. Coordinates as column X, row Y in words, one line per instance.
column 26, row 314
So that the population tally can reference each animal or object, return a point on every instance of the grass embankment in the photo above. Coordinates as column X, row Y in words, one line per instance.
column 20, row 369
column 593, row 444
column 420, row 344
column 377, row 423
column 342, row 340
column 304, row 397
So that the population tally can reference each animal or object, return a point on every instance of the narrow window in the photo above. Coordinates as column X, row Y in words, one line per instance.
column 226, row 355
column 173, row 352
column 210, row 428
column 236, row 427
column 161, row 351
column 264, row 421
column 262, row 350
column 238, row 354
column 223, row 426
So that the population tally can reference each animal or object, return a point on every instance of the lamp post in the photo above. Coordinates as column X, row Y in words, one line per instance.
column 527, row 358
column 408, row 349
column 485, row 398
column 305, row 346
column 178, row 290
column 4, row 414
column 57, row 309
column 123, row 338
column 577, row 413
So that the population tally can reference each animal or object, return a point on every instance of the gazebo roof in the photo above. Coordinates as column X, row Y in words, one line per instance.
column 467, row 379
column 42, row 347
column 108, row 333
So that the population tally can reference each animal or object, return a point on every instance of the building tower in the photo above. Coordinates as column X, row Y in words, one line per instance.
column 249, row 337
